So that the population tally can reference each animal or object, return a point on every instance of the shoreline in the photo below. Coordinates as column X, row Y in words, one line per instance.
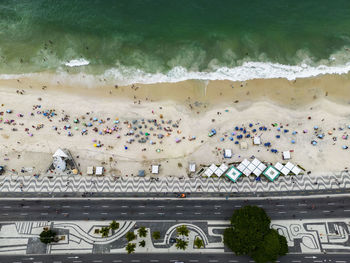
column 196, row 106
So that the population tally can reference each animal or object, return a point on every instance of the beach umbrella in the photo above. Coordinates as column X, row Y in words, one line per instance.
column 95, row 144
column 293, row 141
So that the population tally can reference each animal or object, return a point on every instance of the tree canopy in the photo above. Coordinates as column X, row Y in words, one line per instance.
column 181, row 244
column 156, row 235
column 182, row 230
column 250, row 234
column 130, row 236
column 142, row 231
column 130, row 247
column 114, row 225
column 47, row 236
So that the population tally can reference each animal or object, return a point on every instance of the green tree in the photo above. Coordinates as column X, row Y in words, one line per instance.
column 198, row 242
column 104, row 231
column 142, row 231
column 130, row 247
column 142, row 243
column 114, row 225
column 47, row 236
column 250, row 234
column 181, row 244
column 156, row 235
column 130, row 236
column 182, row 230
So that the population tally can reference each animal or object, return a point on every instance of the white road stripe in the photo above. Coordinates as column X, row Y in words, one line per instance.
column 179, row 206
column 141, row 213
column 302, row 212
column 281, row 212
column 44, row 214
column 326, row 211
column 66, row 206
column 279, row 205
column 160, row 206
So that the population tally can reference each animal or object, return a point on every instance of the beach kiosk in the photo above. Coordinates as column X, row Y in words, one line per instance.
column 233, row 174
column 155, row 169
column 192, row 167
column 271, row 173
column 256, row 140
column 227, row 153
column 99, row 170
column 286, row 155
column 90, row 170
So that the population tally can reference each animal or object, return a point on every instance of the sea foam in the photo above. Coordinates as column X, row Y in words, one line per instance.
column 77, row 62
column 247, row 71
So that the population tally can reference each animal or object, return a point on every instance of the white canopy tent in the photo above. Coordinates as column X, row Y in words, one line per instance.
column 60, row 153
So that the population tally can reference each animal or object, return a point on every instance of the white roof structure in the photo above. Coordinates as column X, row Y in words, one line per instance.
column 59, row 164
column 192, row 167
column 296, row 170
column 233, row 174
column 286, row 155
column 243, row 145
column 256, row 140
column 221, row 170
column 279, row 166
column 60, row 153
column 271, row 173
column 90, row 170
column 289, row 167
column 244, row 167
column 212, row 168
column 155, row 169
column 227, row 153
column 208, row 172
column 99, row 170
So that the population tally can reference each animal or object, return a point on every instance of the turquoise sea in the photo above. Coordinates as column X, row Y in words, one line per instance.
column 170, row 40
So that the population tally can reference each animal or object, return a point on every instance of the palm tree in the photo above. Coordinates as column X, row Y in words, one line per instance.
column 182, row 230
column 156, row 235
column 142, row 231
column 142, row 243
column 104, row 231
column 181, row 244
column 198, row 242
column 114, row 225
column 130, row 247
column 130, row 236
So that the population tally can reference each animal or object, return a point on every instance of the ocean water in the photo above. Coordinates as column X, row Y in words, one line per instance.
column 171, row 40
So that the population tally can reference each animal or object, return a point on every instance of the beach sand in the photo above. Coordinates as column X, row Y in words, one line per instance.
column 196, row 106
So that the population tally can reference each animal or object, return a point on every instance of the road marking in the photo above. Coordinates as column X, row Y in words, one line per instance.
column 302, row 212
column 197, row 213
column 24, row 214
column 220, row 206
column 197, row 206
column 281, row 212
column 160, row 206
column 26, row 206
column 232, row 261
column 105, row 206
column 124, row 206
column 326, row 211
column 155, row 260
column 179, row 213
column 340, row 261
column 46, row 206
column 7, row 206
column 135, row 260
column 118, row 260
column 86, row 206
column 5, row 214
column 237, row 206
column 296, row 261
column 331, row 204
column 66, row 206
column 160, row 213
column 123, row 213
column 97, row 261
column 213, row 260
column 141, row 213
column 77, row 261
column 37, row 262
column 85, row 213
column 347, row 210
column 44, row 214
column 279, row 205
column 142, row 206
column 104, row 213
column 57, row 262
column 217, row 213
column 302, row 204
column 179, row 206
column 193, row 260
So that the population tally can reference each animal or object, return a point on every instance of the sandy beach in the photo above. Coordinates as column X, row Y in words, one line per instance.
column 172, row 121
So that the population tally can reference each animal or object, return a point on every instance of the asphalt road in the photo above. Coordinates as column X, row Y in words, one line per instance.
column 178, row 209
column 170, row 258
